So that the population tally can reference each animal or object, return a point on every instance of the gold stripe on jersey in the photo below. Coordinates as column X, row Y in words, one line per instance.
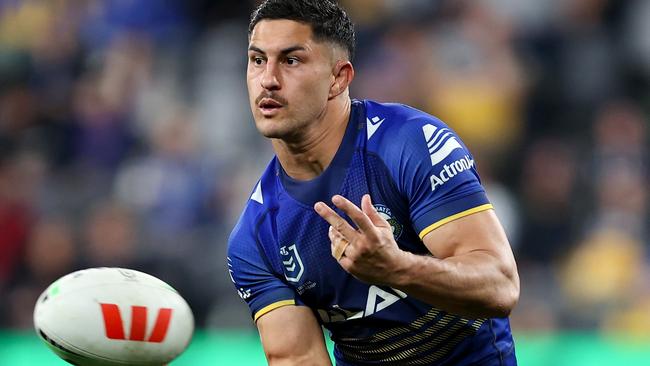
column 457, row 216
column 273, row 306
column 444, row 350
column 405, row 342
column 393, row 332
column 396, row 347
column 415, row 352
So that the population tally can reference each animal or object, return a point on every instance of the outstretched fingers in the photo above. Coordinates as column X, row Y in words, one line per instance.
column 360, row 219
column 341, row 233
column 336, row 221
column 371, row 212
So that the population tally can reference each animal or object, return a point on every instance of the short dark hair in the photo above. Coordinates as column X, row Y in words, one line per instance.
column 328, row 20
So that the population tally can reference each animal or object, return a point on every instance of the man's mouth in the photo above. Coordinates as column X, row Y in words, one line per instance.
column 269, row 106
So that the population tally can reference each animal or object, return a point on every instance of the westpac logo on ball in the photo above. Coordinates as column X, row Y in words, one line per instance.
column 113, row 323
column 113, row 316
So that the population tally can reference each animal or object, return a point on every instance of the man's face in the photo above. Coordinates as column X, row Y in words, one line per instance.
column 289, row 77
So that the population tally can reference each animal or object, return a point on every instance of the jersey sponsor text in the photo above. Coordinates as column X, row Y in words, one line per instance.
column 451, row 170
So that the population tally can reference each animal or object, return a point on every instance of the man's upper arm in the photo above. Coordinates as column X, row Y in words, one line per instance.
column 288, row 332
column 251, row 273
column 437, row 174
column 479, row 232
column 291, row 336
column 434, row 171
column 477, row 245
column 449, row 207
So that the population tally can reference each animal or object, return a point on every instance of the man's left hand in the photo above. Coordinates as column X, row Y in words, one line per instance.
column 369, row 252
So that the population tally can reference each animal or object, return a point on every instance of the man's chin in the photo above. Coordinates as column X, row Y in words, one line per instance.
column 279, row 128
column 272, row 135
column 272, row 132
column 278, row 133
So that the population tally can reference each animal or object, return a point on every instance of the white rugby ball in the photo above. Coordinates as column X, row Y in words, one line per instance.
column 113, row 316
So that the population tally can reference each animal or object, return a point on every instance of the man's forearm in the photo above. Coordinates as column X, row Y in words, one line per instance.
column 475, row 285
column 309, row 358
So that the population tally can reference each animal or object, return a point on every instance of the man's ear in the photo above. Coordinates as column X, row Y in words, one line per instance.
column 343, row 73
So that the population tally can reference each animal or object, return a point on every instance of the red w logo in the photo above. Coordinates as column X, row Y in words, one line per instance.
column 115, row 330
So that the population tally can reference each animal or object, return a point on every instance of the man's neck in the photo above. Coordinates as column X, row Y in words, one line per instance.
column 312, row 154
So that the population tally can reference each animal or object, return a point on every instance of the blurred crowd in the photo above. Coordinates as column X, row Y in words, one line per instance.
column 126, row 140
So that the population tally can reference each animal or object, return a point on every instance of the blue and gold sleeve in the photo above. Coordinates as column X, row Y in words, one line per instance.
column 437, row 173
column 254, row 281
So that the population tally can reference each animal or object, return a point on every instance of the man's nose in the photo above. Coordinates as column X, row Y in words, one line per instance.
column 270, row 79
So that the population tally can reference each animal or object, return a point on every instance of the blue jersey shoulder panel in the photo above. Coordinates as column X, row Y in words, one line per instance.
column 251, row 270
column 429, row 163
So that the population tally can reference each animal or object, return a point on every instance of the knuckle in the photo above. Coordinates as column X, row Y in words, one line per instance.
column 339, row 225
column 362, row 246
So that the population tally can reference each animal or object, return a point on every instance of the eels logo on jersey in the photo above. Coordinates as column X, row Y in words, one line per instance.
column 292, row 263
column 388, row 216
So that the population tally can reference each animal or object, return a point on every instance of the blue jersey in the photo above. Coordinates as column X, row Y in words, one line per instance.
column 420, row 176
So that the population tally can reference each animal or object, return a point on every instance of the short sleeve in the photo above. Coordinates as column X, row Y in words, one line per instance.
column 252, row 276
column 436, row 172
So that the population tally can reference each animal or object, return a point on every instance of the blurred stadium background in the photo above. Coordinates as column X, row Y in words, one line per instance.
column 126, row 139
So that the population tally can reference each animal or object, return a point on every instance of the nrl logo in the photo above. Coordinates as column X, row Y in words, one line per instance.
column 388, row 216
column 292, row 263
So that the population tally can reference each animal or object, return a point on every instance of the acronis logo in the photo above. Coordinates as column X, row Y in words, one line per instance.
column 449, row 171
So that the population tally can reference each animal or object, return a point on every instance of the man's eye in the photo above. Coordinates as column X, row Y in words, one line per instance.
column 257, row 60
column 292, row 61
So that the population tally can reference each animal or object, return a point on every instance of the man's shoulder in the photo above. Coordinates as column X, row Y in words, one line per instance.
column 395, row 126
column 260, row 199
column 397, row 111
